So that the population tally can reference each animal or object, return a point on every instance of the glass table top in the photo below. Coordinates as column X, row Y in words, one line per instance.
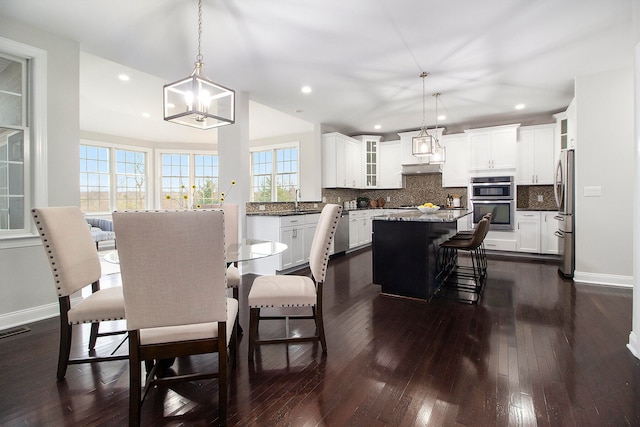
column 245, row 250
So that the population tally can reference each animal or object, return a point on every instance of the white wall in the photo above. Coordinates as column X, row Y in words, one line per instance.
column 26, row 287
column 634, row 342
column 605, row 159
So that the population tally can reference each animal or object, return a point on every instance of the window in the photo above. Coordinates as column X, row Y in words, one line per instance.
column 189, row 180
column 111, row 179
column 23, row 140
column 131, row 180
column 278, row 165
column 94, row 179
column 14, row 143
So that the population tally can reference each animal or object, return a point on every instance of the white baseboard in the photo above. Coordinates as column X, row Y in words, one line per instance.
column 30, row 315
column 603, row 279
column 633, row 345
column 21, row 317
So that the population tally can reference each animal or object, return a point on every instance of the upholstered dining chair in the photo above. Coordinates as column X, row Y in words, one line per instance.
column 75, row 264
column 173, row 271
column 282, row 291
column 231, row 237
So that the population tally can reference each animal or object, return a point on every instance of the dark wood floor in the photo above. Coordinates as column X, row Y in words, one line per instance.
column 538, row 350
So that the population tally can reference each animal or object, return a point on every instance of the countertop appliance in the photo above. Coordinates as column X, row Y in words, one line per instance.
column 495, row 194
column 564, row 189
column 341, row 239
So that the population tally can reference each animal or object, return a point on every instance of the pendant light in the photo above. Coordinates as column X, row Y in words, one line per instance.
column 422, row 144
column 439, row 154
column 196, row 101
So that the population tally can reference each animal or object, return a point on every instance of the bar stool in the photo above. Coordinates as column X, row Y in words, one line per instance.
column 458, row 280
column 468, row 234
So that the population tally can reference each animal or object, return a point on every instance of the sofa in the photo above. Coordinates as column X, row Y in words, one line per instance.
column 101, row 230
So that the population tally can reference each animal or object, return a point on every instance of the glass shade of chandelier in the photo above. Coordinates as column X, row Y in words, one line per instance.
column 196, row 101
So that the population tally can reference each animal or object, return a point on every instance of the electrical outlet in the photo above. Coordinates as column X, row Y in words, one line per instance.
column 315, row 205
column 261, row 207
column 540, row 198
column 388, row 198
column 339, row 199
column 324, row 199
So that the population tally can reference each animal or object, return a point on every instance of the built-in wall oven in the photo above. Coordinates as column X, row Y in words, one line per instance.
column 495, row 194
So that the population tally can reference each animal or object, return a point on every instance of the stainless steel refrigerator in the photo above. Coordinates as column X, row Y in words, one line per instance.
column 564, row 189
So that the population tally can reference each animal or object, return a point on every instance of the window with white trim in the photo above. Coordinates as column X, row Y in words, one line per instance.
column 189, row 180
column 279, row 165
column 14, row 143
column 112, row 178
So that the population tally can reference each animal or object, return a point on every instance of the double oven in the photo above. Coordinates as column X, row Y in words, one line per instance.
column 495, row 194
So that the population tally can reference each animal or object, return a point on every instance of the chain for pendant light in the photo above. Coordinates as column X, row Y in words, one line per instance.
column 437, row 94
column 423, row 75
column 199, row 57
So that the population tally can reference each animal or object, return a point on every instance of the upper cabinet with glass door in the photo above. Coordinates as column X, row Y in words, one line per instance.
column 566, row 127
column 371, row 164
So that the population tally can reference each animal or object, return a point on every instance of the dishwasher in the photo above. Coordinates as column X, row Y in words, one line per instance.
column 341, row 239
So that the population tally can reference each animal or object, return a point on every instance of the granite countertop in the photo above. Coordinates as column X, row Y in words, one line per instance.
column 443, row 215
column 283, row 213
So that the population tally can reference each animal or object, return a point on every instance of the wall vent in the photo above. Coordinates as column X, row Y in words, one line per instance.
column 15, row 331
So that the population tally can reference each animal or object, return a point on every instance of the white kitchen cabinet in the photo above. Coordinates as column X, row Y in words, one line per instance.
column 493, row 148
column 341, row 161
column 370, row 147
column 296, row 231
column 535, row 231
column 528, row 231
column 361, row 226
column 293, row 237
column 455, row 170
column 536, row 155
column 358, row 220
column 499, row 240
column 310, row 225
column 390, row 176
column 566, row 127
column 548, row 239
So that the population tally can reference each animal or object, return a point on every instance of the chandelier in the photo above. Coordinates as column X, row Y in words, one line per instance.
column 439, row 154
column 196, row 101
column 422, row 144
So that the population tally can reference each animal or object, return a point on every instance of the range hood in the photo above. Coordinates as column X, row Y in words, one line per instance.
column 420, row 168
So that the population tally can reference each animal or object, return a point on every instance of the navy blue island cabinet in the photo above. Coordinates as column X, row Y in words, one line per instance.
column 405, row 248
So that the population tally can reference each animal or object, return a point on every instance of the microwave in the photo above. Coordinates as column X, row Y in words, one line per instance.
column 492, row 188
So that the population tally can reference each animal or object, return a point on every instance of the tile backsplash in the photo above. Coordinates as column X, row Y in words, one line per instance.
column 418, row 189
column 529, row 195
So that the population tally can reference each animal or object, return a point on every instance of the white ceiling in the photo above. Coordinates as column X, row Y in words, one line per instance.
column 361, row 57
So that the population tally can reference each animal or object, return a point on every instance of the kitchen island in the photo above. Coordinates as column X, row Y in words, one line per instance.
column 405, row 247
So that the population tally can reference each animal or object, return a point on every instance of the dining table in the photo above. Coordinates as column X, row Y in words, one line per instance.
column 243, row 250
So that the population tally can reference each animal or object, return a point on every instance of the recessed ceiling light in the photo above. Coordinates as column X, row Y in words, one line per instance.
column 146, row 115
column 299, row 111
column 124, row 77
column 442, row 117
column 520, row 106
column 306, row 89
column 376, row 127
